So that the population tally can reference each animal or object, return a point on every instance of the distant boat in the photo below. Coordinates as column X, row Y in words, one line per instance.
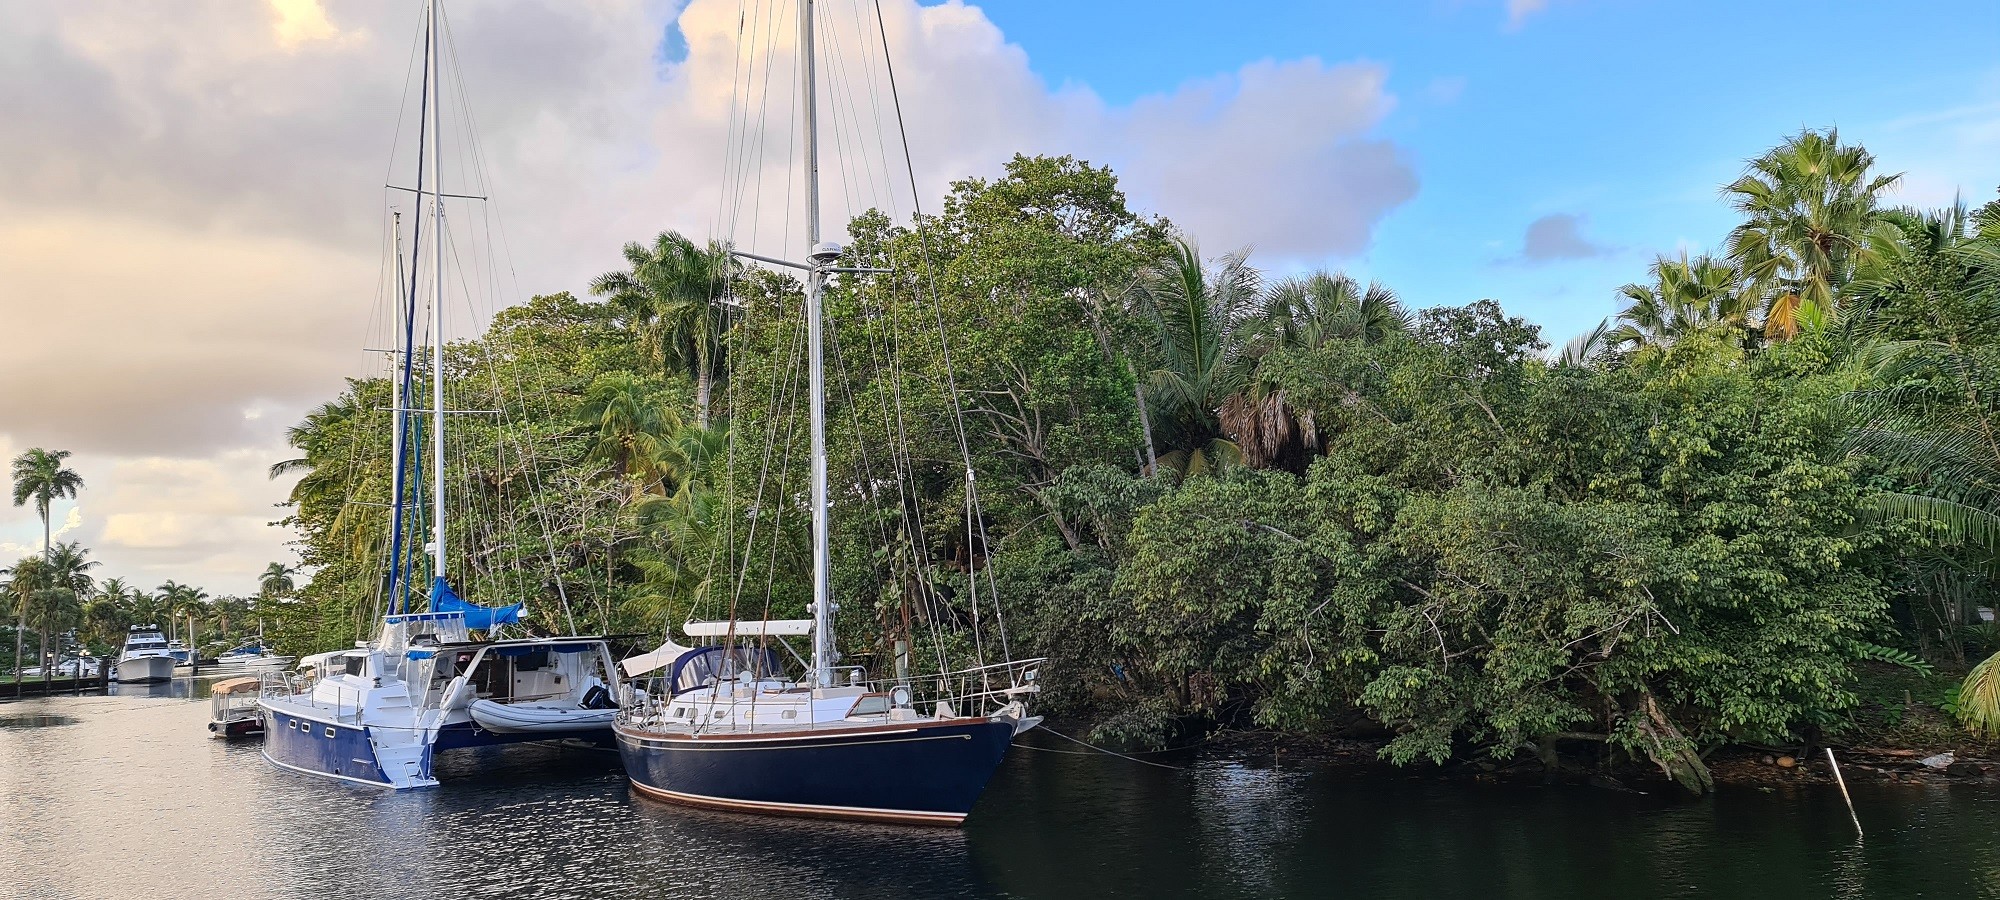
column 233, row 710
column 146, row 657
column 725, row 727
column 378, row 713
column 250, row 657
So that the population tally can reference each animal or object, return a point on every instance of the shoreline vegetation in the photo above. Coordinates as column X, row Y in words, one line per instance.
column 1754, row 514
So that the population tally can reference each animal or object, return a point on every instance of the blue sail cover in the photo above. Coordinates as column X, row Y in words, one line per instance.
column 479, row 618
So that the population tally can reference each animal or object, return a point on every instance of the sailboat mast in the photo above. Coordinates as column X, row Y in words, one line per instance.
column 437, row 308
column 824, row 654
column 397, row 405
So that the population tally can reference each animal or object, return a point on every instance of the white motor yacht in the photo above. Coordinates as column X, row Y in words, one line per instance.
column 146, row 656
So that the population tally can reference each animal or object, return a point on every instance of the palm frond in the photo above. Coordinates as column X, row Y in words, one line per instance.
column 1979, row 697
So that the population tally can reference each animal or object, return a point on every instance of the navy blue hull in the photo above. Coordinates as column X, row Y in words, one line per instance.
column 322, row 748
column 922, row 773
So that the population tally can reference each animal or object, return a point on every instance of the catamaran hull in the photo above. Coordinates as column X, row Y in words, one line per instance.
column 139, row 670
column 920, row 774
column 337, row 750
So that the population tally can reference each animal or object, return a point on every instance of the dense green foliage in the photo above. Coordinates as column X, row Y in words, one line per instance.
column 1212, row 501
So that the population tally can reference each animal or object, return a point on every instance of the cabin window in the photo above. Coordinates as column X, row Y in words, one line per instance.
column 870, row 705
column 680, row 712
column 354, row 664
column 329, row 731
column 791, row 714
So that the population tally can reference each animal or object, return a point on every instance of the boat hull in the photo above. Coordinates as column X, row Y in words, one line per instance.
column 236, row 727
column 920, row 773
column 330, row 749
column 141, row 669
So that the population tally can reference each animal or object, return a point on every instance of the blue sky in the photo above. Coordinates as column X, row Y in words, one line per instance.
column 1628, row 115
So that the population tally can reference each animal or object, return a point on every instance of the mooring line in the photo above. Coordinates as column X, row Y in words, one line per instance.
column 1143, row 762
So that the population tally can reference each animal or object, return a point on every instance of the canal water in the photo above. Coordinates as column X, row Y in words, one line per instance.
column 127, row 796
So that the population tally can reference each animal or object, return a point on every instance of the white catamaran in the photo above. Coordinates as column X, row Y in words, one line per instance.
column 378, row 713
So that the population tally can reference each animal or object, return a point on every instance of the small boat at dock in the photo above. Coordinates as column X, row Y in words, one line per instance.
column 233, row 710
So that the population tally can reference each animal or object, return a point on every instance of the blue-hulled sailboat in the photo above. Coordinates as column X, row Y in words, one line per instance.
column 378, row 713
column 723, row 726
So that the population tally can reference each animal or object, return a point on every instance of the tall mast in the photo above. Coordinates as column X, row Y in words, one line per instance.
column 437, row 308
column 824, row 654
column 397, row 407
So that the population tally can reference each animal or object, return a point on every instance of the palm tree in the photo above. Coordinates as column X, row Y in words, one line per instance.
column 276, row 580
column 185, row 601
column 338, row 469
column 1307, row 312
column 1300, row 314
column 672, row 295
column 631, row 430
column 1197, row 317
column 111, row 610
column 24, row 578
column 39, row 475
column 1933, row 416
column 1684, row 295
column 228, row 609
column 66, row 582
column 1807, row 204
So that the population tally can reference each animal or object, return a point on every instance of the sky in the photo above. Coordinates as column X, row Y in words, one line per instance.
column 192, row 212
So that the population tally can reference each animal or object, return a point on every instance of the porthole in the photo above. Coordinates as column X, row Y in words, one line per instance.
column 791, row 714
column 329, row 731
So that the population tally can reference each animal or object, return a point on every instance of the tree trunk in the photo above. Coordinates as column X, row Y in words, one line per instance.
column 1145, row 420
column 702, row 383
column 20, row 633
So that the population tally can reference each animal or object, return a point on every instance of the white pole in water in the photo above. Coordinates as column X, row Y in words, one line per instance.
column 824, row 654
column 1837, row 779
column 437, row 308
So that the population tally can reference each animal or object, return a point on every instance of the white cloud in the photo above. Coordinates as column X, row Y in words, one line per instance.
column 1518, row 11
column 189, row 198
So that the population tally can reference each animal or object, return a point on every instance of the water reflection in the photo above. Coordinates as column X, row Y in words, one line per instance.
column 136, row 788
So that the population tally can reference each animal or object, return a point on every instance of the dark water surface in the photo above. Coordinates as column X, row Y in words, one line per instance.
column 135, row 800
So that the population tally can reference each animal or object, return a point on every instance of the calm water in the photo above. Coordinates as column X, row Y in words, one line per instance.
column 131, row 795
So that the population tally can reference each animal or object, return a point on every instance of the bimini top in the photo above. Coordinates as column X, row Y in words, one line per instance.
column 692, row 667
column 247, row 684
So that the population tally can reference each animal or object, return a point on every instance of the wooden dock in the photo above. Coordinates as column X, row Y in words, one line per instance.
column 36, row 687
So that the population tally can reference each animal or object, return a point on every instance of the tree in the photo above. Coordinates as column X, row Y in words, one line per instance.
column 1295, row 315
column 1684, row 295
column 276, row 580
column 631, row 429
column 39, row 475
column 674, row 294
column 66, row 582
column 1305, row 313
column 24, row 578
column 1808, row 205
column 185, row 602
column 1197, row 317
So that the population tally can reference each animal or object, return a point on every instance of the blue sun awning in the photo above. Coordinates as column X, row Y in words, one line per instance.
column 480, row 618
